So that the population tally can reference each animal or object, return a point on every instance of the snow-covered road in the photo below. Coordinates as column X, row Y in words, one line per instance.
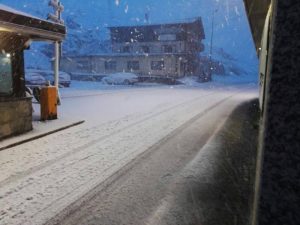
column 41, row 178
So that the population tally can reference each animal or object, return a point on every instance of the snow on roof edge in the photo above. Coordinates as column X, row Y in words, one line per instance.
column 182, row 21
column 12, row 10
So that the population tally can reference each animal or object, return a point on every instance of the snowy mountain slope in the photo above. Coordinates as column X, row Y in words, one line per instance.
column 87, row 22
column 236, row 66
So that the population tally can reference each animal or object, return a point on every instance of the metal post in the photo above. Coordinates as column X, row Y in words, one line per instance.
column 56, row 17
column 57, row 53
column 58, row 8
column 56, row 65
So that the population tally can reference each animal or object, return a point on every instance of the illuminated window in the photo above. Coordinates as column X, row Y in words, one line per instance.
column 6, row 81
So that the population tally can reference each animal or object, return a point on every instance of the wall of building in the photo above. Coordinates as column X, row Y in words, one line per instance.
column 15, row 108
column 154, row 47
column 164, row 50
column 96, row 64
column 16, row 116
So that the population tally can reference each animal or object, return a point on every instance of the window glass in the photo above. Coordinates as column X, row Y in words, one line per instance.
column 133, row 65
column 83, row 65
column 145, row 49
column 167, row 37
column 167, row 48
column 126, row 49
column 110, row 65
column 182, row 36
column 157, row 65
column 6, row 82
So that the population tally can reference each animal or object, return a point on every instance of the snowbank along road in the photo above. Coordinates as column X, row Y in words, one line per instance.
column 40, row 179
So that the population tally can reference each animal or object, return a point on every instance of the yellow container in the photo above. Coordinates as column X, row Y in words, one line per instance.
column 48, row 101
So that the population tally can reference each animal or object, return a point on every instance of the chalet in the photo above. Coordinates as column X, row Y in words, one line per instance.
column 17, row 31
column 156, row 50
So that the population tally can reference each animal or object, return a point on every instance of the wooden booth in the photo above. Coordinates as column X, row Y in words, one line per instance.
column 17, row 31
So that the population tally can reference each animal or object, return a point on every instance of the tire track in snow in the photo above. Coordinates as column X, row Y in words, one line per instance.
column 73, row 178
column 110, row 92
column 122, row 171
column 93, row 142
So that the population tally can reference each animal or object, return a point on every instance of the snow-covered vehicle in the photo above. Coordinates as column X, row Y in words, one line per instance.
column 121, row 79
column 64, row 78
column 35, row 79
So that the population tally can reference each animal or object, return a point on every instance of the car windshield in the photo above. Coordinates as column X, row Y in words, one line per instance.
column 145, row 111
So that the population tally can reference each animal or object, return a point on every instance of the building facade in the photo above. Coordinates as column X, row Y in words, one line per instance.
column 162, row 50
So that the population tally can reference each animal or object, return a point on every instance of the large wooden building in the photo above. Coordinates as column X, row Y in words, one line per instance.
column 17, row 31
column 160, row 50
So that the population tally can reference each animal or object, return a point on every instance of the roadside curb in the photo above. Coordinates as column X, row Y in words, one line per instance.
column 41, row 135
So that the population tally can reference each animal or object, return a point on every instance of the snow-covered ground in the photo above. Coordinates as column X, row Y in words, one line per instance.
column 41, row 178
column 90, row 88
column 219, row 80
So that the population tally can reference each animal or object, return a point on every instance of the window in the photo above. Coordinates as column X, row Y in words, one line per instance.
column 157, row 65
column 83, row 65
column 167, row 48
column 145, row 49
column 110, row 65
column 182, row 36
column 126, row 49
column 6, row 81
column 133, row 65
column 167, row 37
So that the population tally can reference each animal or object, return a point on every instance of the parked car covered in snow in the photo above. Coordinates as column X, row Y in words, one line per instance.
column 64, row 78
column 33, row 78
column 121, row 79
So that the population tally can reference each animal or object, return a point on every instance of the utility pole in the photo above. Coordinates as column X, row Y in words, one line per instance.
column 147, row 15
column 56, row 17
column 211, row 46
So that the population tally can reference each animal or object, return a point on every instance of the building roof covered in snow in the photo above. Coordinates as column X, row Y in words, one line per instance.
column 32, row 27
column 151, row 32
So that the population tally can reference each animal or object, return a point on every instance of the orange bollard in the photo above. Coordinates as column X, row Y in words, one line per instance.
column 48, row 101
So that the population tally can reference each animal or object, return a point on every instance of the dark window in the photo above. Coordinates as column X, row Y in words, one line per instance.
column 168, row 48
column 167, row 37
column 6, row 81
column 182, row 36
column 126, row 49
column 157, row 65
column 133, row 65
column 110, row 65
column 146, row 49
column 83, row 65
